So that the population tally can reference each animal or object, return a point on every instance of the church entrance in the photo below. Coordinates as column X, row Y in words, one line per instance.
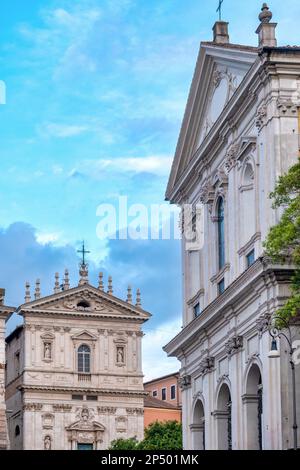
column 223, row 419
column 253, row 403
column 198, row 427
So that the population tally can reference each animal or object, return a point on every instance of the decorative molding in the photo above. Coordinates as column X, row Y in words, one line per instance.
column 33, row 406
column 106, row 410
column 223, row 378
column 287, row 108
column 231, row 157
column 135, row 411
column 185, row 382
column 234, row 345
column 250, row 244
column 61, row 407
column 262, row 323
column 207, row 365
column 261, row 117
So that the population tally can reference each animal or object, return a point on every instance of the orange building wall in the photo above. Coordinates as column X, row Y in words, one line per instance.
column 165, row 383
column 159, row 414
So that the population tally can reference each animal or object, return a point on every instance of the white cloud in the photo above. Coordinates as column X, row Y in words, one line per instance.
column 156, row 363
column 158, row 165
column 44, row 238
column 61, row 130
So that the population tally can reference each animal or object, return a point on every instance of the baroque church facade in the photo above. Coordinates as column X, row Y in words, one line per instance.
column 239, row 134
column 74, row 368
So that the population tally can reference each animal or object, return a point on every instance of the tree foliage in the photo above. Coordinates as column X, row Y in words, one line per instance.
column 158, row 436
column 283, row 241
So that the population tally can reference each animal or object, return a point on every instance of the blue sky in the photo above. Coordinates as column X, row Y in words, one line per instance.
column 96, row 91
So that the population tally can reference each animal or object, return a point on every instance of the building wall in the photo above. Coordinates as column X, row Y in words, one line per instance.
column 224, row 350
column 48, row 405
column 151, row 415
column 167, row 382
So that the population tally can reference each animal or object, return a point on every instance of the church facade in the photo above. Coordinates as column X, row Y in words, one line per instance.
column 5, row 313
column 239, row 134
column 74, row 368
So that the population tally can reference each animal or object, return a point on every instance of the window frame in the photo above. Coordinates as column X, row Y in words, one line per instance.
column 173, row 387
column 164, row 391
column 86, row 359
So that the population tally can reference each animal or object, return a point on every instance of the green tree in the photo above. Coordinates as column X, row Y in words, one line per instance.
column 124, row 444
column 283, row 241
column 158, row 436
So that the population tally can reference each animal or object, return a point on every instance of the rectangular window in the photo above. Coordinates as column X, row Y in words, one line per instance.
column 92, row 397
column 77, row 397
column 154, row 393
column 163, row 394
column 197, row 310
column 250, row 258
column 221, row 287
column 173, row 392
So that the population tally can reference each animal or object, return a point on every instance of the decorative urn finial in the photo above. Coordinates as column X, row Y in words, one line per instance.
column 265, row 15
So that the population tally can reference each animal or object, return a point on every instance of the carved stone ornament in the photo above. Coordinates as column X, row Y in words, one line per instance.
column 233, row 345
column 287, row 108
column 185, row 382
column 121, row 423
column 260, row 117
column 262, row 324
column 47, row 443
column 135, row 411
column 231, row 157
column 207, row 365
column 106, row 410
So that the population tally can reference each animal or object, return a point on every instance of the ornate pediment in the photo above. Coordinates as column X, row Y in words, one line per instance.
column 219, row 73
column 85, row 300
column 84, row 336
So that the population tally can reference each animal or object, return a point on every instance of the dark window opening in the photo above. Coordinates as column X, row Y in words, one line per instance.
column 197, row 310
column 83, row 304
column 250, row 258
column 221, row 287
column 92, row 397
column 163, row 394
column 173, row 392
column 17, row 431
column 221, row 234
column 77, row 397
column 154, row 394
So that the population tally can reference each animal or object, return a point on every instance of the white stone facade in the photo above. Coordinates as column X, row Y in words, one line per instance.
column 62, row 400
column 240, row 133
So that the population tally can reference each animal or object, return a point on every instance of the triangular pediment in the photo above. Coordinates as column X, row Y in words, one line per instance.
column 84, row 336
column 219, row 72
column 84, row 300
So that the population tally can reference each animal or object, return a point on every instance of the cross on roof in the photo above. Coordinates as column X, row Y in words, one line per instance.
column 219, row 9
column 83, row 252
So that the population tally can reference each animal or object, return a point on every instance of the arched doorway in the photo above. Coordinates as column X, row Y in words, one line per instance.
column 253, row 401
column 198, row 427
column 223, row 417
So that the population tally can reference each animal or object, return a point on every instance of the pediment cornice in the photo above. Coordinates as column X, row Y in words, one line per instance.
column 98, row 303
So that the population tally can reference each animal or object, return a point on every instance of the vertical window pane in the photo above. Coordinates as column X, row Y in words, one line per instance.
column 221, row 234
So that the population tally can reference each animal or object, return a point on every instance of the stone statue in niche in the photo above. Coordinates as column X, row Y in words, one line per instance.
column 85, row 415
column 120, row 355
column 47, row 443
column 47, row 350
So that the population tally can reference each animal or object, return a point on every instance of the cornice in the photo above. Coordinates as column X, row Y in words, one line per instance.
column 100, row 392
column 261, row 269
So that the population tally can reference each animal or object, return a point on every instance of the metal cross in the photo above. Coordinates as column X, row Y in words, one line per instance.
column 83, row 252
column 219, row 9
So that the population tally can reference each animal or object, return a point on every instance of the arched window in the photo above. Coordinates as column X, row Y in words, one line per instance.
column 221, row 233
column 84, row 359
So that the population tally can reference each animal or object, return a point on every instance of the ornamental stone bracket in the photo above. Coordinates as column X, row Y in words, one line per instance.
column 262, row 324
column 32, row 407
column 106, row 410
column 261, row 117
column 231, row 157
column 223, row 378
column 207, row 365
column 135, row 411
column 207, row 194
column 234, row 345
column 185, row 382
column 287, row 108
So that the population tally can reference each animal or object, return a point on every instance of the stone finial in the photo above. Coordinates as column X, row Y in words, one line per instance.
column 101, row 283
column 56, row 284
column 129, row 295
column 37, row 292
column 2, row 295
column 266, row 29
column 83, row 274
column 66, row 284
column 138, row 298
column 27, row 292
column 110, row 285
column 221, row 35
column 266, row 15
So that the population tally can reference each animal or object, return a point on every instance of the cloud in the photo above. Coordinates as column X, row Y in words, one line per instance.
column 155, row 361
column 153, row 266
column 61, row 130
